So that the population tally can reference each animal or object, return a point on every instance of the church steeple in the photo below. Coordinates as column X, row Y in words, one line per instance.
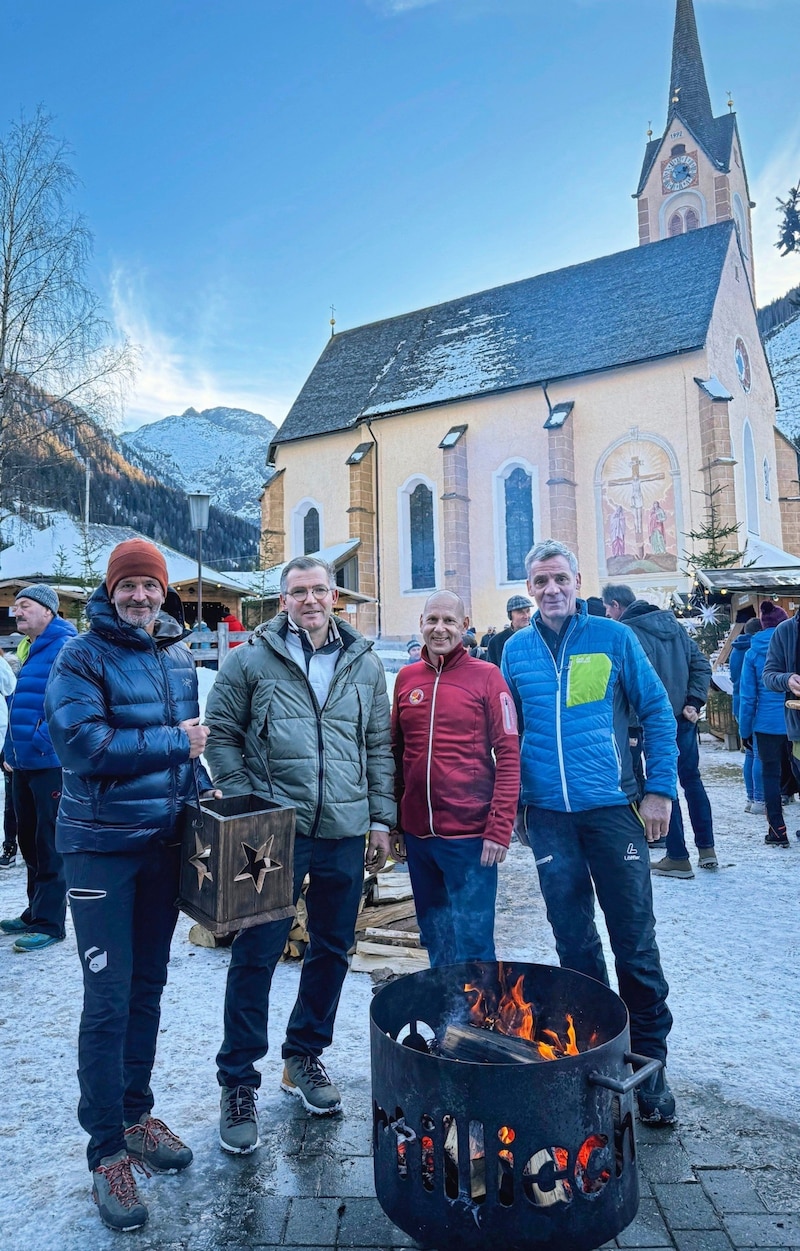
column 688, row 93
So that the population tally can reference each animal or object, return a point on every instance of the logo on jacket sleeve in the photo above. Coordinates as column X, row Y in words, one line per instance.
column 509, row 713
column 416, row 696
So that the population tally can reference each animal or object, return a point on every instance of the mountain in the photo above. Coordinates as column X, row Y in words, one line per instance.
column 783, row 352
column 221, row 451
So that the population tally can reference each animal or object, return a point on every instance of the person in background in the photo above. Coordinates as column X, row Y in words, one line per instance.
column 595, row 606
column 234, row 625
column 8, row 856
column 751, row 769
column 519, row 609
column 36, row 779
column 488, row 636
column 761, row 715
column 456, row 751
column 414, row 650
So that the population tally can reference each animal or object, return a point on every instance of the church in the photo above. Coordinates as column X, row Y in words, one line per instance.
column 439, row 445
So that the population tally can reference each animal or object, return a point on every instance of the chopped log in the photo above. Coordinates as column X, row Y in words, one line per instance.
column 386, row 914
column 485, row 1046
column 397, row 964
column 390, row 952
column 407, row 937
column 392, row 887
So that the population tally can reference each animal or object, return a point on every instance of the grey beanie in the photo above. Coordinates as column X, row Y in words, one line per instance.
column 44, row 595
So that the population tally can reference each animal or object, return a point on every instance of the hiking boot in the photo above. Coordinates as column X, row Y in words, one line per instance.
column 656, row 1101
column 672, row 868
column 114, row 1191
column 150, row 1141
column 757, row 808
column 774, row 838
column 707, row 858
column 8, row 858
column 305, row 1077
column 35, row 942
column 14, row 925
column 238, row 1122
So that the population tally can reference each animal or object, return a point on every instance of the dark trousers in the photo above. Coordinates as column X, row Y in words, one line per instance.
column 697, row 800
column 771, row 751
column 9, row 817
column 605, row 847
column 336, row 873
column 454, row 896
column 123, row 909
column 36, row 793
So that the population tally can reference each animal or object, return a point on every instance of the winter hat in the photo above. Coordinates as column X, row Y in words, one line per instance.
column 411, row 644
column 753, row 626
column 772, row 614
column 136, row 558
column 518, row 601
column 44, row 595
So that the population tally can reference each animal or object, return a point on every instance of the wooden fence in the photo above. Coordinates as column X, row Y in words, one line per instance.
column 211, row 648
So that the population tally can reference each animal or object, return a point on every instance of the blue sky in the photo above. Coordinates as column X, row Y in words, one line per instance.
column 246, row 164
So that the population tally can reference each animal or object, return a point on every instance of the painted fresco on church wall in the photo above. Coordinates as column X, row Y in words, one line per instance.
column 639, row 529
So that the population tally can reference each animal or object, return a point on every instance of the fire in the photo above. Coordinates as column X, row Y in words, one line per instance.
column 506, row 1135
column 511, row 1014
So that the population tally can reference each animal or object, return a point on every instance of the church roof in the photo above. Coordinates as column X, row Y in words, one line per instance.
column 638, row 305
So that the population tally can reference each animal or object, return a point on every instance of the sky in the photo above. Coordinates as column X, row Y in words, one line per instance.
column 244, row 166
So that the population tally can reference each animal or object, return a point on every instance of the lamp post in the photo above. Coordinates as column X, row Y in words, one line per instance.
column 198, row 517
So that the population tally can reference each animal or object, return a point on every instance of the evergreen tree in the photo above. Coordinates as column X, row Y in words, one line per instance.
column 711, row 549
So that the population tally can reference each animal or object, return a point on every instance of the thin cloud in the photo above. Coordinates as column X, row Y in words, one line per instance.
column 171, row 378
column 775, row 274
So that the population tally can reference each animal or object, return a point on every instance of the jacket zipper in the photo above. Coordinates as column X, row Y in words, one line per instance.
column 559, row 672
column 439, row 673
column 171, row 714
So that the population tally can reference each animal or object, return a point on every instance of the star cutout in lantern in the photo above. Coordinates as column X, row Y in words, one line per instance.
column 258, row 864
column 201, row 854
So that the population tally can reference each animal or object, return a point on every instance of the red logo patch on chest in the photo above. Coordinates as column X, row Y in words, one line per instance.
column 416, row 696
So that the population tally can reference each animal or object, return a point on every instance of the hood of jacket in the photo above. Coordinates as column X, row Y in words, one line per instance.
column 659, row 622
column 103, row 618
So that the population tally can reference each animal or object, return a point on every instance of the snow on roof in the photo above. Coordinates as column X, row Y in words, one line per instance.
column 56, row 549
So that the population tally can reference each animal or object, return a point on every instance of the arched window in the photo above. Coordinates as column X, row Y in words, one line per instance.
column 675, row 225
column 767, row 480
column 518, row 521
column 750, row 487
column 691, row 219
column 311, row 531
column 423, row 550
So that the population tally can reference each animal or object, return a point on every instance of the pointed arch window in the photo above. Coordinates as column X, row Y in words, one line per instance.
column 423, row 551
column 750, row 481
column 767, row 480
column 675, row 225
column 311, row 531
column 306, row 527
column 518, row 501
column 691, row 220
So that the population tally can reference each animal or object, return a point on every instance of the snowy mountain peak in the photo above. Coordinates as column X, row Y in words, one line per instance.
column 221, row 451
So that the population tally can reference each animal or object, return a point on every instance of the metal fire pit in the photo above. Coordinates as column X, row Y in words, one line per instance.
column 517, row 1156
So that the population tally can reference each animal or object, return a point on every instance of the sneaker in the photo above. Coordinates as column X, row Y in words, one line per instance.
column 774, row 838
column 305, row 1077
column 114, row 1191
column 748, row 806
column 238, row 1122
column 672, row 868
column 35, row 942
column 8, row 858
column 707, row 858
column 150, row 1141
column 656, row 1101
column 757, row 808
column 14, row 925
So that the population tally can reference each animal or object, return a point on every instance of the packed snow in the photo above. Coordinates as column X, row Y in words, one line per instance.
column 730, row 949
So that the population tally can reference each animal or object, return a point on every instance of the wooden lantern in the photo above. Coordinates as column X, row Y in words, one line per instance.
column 237, row 863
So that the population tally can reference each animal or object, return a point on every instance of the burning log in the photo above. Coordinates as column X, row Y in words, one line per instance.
column 484, row 1046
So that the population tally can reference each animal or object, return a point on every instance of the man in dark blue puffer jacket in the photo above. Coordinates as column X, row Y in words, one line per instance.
column 36, row 776
column 123, row 714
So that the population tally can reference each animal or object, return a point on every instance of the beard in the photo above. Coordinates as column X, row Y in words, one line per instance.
column 138, row 618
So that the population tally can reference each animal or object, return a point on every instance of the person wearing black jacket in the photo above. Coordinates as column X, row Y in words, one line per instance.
column 686, row 674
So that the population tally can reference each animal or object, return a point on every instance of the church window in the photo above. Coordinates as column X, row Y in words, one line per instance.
column 767, row 480
column 423, row 555
column 311, row 531
column 691, row 219
column 678, row 150
column 750, row 488
column 675, row 225
column 518, row 522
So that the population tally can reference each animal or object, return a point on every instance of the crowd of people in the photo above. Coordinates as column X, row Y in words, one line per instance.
column 573, row 737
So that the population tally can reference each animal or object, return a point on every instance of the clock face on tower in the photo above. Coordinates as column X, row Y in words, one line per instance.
column 679, row 172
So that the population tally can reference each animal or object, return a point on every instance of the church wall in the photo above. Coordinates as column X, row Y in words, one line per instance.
column 734, row 322
column 316, row 470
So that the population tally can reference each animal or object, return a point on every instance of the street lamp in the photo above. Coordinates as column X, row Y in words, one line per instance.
column 198, row 518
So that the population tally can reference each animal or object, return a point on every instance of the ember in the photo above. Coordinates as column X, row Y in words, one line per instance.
column 511, row 1014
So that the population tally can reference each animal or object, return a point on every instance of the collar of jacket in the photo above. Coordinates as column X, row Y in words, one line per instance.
column 103, row 620
column 455, row 657
column 274, row 632
column 333, row 642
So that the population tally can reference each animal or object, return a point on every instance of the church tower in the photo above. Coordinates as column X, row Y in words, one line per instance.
column 694, row 175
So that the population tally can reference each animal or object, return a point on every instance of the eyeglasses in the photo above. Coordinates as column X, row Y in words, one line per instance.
column 302, row 592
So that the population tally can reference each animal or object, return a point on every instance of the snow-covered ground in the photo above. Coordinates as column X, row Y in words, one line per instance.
column 730, row 949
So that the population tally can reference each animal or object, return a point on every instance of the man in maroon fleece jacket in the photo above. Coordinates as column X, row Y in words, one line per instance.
column 456, row 749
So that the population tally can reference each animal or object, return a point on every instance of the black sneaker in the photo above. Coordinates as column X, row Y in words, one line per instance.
column 150, row 1141
column 238, row 1122
column 114, row 1191
column 656, row 1101
column 776, row 838
column 8, row 858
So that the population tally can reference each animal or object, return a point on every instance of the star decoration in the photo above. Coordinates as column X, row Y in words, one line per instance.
column 258, row 864
column 201, row 854
column 709, row 614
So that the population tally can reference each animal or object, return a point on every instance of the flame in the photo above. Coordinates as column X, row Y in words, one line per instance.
column 508, row 1156
column 506, row 1135
column 561, row 1157
column 511, row 1014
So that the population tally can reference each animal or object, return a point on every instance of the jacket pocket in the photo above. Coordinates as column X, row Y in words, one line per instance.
column 587, row 679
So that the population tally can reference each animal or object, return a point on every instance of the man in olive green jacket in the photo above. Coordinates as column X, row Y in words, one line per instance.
column 300, row 714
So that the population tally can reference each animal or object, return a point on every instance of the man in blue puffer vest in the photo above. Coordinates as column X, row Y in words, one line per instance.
column 573, row 678
column 36, row 777
column 123, row 712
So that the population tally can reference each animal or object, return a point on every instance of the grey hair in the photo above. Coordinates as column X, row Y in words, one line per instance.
column 619, row 592
column 306, row 562
column 547, row 550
